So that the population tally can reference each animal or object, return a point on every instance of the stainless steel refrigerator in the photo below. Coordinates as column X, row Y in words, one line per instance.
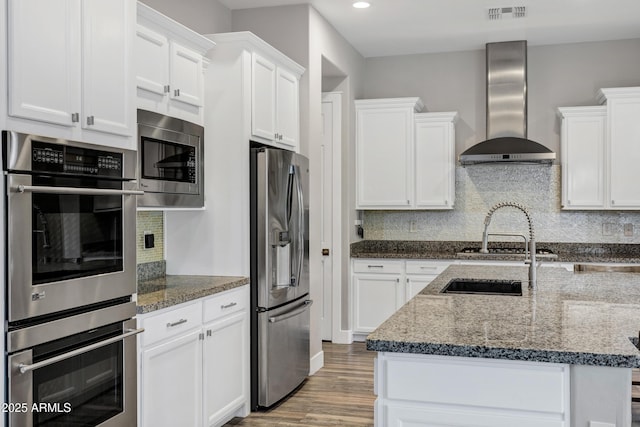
column 279, row 274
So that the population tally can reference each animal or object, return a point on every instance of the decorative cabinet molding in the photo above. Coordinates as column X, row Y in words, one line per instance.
column 70, row 69
column 600, row 152
column 194, row 362
column 170, row 66
column 404, row 160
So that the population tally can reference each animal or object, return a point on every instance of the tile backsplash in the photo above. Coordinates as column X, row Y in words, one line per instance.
column 479, row 187
column 150, row 222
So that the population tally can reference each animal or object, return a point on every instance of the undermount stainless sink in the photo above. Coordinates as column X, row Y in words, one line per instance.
column 483, row 287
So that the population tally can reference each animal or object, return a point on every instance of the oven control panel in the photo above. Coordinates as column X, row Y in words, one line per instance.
column 47, row 157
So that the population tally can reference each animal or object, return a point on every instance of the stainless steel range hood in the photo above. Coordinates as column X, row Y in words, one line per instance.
column 507, row 110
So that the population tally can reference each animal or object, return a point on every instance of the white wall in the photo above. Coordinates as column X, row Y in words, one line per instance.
column 559, row 75
column 202, row 16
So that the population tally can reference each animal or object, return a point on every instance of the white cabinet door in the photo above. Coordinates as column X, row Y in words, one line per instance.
column 152, row 59
column 417, row 283
column 107, row 87
column 187, row 80
column 44, row 60
column 263, row 97
column 225, row 359
column 384, row 141
column 172, row 383
column 624, row 139
column 287, row 117
column 434, row 162
column 583, row 157
column 376, row 298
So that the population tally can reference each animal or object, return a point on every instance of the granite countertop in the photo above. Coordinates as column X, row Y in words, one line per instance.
column 163, row 292
column 566, row 252
column 574, row 318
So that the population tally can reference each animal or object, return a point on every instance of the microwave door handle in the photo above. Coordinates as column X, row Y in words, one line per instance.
column 23, row 368
column 75, row 190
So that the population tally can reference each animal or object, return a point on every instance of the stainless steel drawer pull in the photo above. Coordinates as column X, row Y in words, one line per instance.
column 427, row 268
column 74, row 190
column 375, row 266
column 231, row 304
column 26, row 368
column 179, row 322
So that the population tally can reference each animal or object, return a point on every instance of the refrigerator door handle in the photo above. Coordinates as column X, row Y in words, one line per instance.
column 301, row 227
column 292, row 313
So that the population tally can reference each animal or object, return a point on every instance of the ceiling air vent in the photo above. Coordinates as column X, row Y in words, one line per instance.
column 507, row 12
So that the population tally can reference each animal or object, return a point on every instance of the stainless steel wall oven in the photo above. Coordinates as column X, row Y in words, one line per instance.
column 71, row 271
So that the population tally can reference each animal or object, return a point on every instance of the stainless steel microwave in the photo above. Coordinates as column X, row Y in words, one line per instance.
column 170, row 161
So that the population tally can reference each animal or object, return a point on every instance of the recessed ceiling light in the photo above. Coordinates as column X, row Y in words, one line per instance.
column 361, row 4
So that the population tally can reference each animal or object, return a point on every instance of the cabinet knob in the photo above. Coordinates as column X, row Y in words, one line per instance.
column 176, row 92
column 613, row 202
column 90, row 120
column 75, row 117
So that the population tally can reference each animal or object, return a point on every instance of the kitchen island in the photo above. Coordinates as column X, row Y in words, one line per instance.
column 557, row 356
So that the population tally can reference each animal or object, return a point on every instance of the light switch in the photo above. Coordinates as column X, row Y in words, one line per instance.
column 628, row 229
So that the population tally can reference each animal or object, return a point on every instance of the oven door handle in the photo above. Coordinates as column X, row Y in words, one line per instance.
column 74, row 190
column 26, row 368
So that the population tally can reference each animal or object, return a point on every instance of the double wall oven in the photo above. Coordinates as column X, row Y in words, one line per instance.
column 70, row 236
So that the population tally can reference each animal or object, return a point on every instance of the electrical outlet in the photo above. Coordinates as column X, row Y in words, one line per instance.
column 608, row 229
column 413, row 226
column 628, row 229
column 149, row 241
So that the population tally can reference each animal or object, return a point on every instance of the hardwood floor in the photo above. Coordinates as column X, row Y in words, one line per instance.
column 339, row 394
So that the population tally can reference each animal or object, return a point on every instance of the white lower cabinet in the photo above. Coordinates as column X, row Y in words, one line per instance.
column 194, row 362
column 171, row 380
column 426, row 390
column 380, row 287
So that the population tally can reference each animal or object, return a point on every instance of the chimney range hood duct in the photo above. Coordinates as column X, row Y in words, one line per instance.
column 507, row 110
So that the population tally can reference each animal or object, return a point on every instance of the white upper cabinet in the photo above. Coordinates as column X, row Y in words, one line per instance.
column 275, row 112
column 107, row 89
column 384, row 152
column 70, row 66
column 583, row 157
column 623, row 142
column 404, row 160
column 600, row 152
column 169, row 63
column 435, row 160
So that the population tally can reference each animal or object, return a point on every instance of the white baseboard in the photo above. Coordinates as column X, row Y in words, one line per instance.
column 342, row 336
column 316, row 362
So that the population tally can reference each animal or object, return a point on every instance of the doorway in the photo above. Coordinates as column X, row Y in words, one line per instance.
column 330, row 168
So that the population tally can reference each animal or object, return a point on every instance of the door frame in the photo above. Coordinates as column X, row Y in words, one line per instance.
column 338, row 335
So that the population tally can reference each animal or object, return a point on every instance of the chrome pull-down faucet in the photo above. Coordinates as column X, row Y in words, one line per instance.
column 531, row 259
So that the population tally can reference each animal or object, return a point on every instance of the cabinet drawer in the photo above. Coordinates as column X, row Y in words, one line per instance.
column 426, row 267
column 226, row 303
column 429, row 380
column 378, row 266
column 170, row 323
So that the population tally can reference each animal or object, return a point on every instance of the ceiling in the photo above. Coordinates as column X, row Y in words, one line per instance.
column 400, row 27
